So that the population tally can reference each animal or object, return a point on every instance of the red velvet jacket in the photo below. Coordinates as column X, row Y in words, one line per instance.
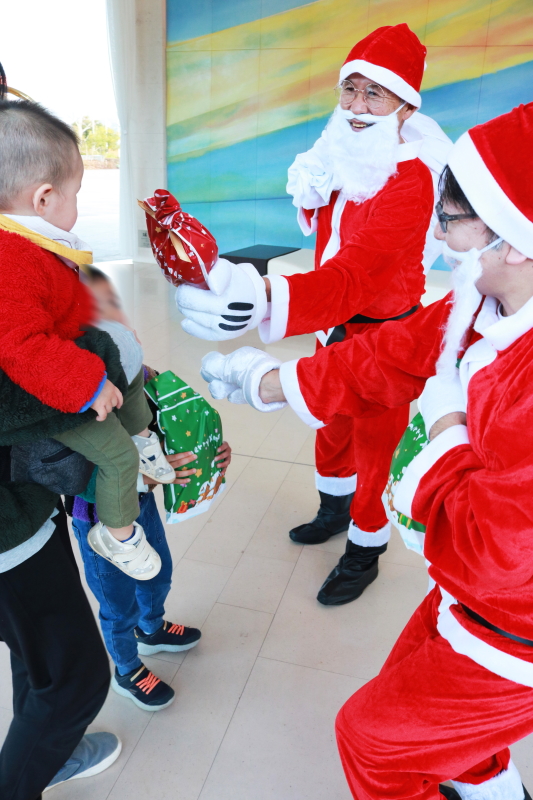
column 42, row 307
column 378, row 269
column 477, row 498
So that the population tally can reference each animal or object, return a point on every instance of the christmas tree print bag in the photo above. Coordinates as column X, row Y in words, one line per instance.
column 411, row 443
column 187, row 422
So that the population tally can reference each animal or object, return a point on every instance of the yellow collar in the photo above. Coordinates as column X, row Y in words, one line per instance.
column 79, row 257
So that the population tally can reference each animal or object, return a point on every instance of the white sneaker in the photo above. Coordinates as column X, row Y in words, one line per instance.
column 136, row 557
column 152, row 459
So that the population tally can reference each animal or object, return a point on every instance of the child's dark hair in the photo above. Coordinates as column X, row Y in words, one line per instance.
column 451, row 192
column 94, row 274
column 35, row 147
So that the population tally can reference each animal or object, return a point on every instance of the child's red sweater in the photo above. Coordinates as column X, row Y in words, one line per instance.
column 43, row 305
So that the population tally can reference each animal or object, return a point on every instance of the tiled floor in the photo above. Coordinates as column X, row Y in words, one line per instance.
column 256, row 700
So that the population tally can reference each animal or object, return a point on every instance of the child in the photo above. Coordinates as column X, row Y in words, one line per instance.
column 132, row 613
column 44, row 308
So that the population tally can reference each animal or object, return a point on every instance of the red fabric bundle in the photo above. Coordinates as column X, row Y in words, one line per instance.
column 182, row 246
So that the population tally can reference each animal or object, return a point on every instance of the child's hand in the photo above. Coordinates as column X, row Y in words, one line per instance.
column 178, row 460
column 109, row 398
column 224, row 457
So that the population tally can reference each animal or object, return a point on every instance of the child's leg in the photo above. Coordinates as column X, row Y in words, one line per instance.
column 151, row 595
column 135, row 414
column 108, row 445
column 115, row 593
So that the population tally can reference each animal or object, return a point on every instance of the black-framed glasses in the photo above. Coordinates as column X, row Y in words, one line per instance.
column 444, row 218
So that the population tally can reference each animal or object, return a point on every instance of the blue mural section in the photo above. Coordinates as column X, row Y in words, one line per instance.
column 260, row 210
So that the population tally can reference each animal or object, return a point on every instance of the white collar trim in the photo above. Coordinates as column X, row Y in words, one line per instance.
column 40, row 225
column 409, row 150
column 501, row 332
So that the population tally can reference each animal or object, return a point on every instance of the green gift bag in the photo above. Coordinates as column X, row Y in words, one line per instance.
column 187, row 422
column 411, row 443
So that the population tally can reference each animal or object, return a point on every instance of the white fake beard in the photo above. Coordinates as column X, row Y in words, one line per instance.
column 466, row 300
column 362, row 162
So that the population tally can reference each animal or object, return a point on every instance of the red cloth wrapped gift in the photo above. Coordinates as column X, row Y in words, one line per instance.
column 182, row 246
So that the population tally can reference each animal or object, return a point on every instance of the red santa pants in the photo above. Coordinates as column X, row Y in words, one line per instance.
column 349, row 446
column 430, row 715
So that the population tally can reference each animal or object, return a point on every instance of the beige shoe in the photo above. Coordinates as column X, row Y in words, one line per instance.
column 152, row 459
column 135, row 557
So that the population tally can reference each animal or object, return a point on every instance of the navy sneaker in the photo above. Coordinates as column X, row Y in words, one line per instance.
column 95, row 753
column 170, row 638
column 144, row 689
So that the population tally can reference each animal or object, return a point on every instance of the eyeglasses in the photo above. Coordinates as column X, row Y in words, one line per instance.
column 445, row 218
column 373, row 95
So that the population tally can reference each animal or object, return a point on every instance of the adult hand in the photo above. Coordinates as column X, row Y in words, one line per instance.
column 109, row 398
column 223, row 459
column 445, row 422
column 237, row 376
column 177, row 460
column 235, row 303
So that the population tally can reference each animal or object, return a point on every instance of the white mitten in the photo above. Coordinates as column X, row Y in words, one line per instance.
column 238, row 375
column 235, row 303
column 441, row 396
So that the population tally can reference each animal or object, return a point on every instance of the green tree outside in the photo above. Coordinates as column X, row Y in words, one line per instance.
column 96, row 138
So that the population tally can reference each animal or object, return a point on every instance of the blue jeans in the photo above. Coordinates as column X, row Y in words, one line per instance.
column 125, row 602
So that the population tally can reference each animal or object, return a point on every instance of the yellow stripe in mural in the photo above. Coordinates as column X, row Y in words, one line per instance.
column 266, row 75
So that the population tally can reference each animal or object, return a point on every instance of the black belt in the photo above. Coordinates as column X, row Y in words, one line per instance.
column 362, row 318
column 339, row 331
column 493, row 628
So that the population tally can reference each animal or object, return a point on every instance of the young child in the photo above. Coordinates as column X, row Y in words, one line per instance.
column 131, row 612
column 43, row 309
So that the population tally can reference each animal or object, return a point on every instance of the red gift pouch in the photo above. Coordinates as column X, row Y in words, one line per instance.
column 182, row 246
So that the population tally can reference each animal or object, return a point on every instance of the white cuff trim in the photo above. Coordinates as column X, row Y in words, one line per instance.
column 406, row 489
column 505, row 786
column 274, row 328
column 465, row 643
column 338, row 487
column 306, row 228
column 442, row 395
column 367, row 539
column 291, row 389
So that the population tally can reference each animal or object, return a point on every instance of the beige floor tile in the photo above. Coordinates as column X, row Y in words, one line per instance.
column 225, row 537
column 281, row 741
column 293, row 504
column 196, row 586
column 522, row 754
column 257, row 583
column 353, row 639
column 307, row 453
column 5, row 722
column 180, row 743
column 286, row 438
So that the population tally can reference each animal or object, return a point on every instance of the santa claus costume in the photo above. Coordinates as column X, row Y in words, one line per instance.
column 457, row 688
column 370, row 200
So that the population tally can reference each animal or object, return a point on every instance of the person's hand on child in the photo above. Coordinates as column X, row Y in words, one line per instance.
column 109, row 398
column 224, row 458
column 178, row 460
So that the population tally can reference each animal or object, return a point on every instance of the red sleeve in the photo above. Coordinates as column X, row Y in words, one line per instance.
column 380, row 369
column 33, row 302
column 478, row 527
column 350, row 281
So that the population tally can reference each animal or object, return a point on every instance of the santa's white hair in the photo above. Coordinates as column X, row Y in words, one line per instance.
column 362, row 161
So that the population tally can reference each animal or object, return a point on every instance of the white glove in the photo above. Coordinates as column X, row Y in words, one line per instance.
column 238, row 375
column 235, row 303
column 441, row 396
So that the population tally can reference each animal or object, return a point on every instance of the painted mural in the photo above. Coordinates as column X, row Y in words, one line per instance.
column 250, row 84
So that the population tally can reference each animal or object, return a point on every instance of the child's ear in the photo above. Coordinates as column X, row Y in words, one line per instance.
column 41, row 198
column 514, row 258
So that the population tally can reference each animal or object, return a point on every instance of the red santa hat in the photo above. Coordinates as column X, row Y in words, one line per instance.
column 493, row 164
column 394, row 57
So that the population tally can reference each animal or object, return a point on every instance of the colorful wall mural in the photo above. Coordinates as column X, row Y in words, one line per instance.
column 250, row 85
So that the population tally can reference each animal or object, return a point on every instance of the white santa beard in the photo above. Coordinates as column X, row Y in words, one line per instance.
column 466, row 300
column 362, row 161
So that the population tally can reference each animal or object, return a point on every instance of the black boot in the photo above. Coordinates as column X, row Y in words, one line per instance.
column 333, row 517
column 356, row 570
column 448, row 792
